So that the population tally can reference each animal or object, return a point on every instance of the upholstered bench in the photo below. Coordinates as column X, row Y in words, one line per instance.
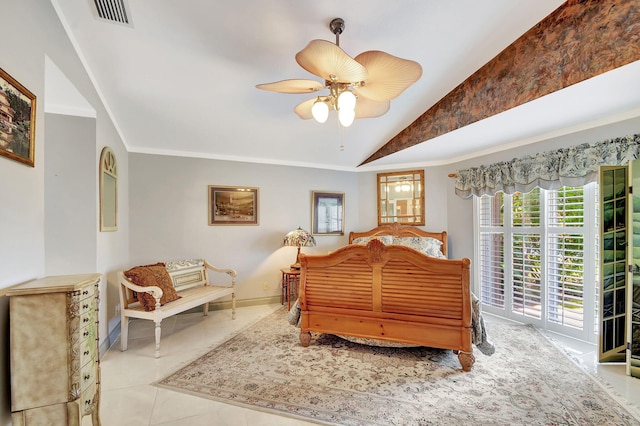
column 154, row 292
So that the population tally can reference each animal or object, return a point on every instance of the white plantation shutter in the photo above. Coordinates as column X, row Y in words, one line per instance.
column 566, row 280
column 492, row 269
column 535, row 253
column 490, row 214
column 526, row 276
column 566, row 256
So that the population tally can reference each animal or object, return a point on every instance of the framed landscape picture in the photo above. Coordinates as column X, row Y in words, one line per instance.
column 327, row 213
column 233, row 205
column 17, row 120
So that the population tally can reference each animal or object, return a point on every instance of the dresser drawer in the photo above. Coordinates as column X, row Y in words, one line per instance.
column 88, row 374
column 87, row 292
column 87, row 305
column 88, row 325
column 88, row 312
column 88, row 351
column 88, row 399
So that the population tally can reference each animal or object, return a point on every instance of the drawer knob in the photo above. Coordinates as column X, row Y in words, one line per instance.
column 86, row 353
column 84, row 293
column 87, row 376
column 85, row 334
column 85, row 306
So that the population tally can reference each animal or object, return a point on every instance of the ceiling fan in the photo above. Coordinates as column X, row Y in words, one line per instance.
column 360, row 87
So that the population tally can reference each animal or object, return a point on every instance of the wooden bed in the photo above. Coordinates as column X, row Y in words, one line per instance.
column 388, row 292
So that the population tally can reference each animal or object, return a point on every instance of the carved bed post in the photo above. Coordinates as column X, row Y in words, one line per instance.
column 467, row 359
column 305, row 338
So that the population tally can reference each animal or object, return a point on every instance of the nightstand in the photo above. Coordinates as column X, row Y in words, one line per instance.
column 290, row 285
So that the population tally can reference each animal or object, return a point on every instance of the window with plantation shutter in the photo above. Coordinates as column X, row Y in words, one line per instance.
column 490, row 215
column 526, row 276
column 537, row 256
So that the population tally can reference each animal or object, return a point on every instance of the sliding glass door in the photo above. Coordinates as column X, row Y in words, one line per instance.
column 613, row 230
column 633, row 297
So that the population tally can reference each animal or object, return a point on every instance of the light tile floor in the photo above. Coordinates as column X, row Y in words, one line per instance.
column 130, row 398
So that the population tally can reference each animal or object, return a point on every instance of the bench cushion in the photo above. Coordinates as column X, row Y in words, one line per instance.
column 148, row 275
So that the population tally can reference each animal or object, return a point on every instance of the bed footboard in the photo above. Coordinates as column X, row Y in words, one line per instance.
column 391, row 293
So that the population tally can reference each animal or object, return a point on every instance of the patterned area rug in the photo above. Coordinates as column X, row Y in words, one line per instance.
column 333, row 381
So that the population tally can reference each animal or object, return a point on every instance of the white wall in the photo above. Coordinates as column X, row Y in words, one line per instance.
column 169, row 213
column 31, row 32
column 70, row 210
column 169, row 208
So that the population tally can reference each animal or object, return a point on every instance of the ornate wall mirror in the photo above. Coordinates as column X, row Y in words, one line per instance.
column 108, row 190
column 401, row 197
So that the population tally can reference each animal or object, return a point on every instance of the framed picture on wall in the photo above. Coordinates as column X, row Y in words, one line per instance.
column 17, row 120
column 233, row 205
column 327, row 213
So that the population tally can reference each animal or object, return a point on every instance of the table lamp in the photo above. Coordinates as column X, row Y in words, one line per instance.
column 299, row 238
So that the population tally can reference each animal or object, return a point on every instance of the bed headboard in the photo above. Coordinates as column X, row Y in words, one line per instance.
column 397, row 230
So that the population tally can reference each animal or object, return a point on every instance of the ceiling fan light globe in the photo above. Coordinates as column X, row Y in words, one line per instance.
column 320, row 111
column 346, row 117
column 347, row 100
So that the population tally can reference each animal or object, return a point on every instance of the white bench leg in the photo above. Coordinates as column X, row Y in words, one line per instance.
column 158, row 333
column 233, row 305
column 205, row 309
column 124, row 332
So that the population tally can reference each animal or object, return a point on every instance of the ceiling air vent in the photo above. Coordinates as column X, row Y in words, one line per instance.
column 113, row 11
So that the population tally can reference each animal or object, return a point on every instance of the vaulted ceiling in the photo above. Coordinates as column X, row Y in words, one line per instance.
column 180, row 78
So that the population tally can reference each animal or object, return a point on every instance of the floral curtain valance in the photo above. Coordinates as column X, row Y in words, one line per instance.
column 573, row 166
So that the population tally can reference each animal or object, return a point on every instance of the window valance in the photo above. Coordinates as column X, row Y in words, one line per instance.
column 573, row 166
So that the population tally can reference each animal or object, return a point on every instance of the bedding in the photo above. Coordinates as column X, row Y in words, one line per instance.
column 403, row 294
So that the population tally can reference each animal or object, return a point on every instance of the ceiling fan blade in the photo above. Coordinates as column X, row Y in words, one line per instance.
column 367, row 108
column 303, row 109
column 325, row 59
column 292, row 86
column 389, row 75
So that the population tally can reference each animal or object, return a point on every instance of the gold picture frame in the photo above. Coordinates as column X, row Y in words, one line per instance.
column 233, row 205
column 17, row 120
column 327, row 213
column 401, row 198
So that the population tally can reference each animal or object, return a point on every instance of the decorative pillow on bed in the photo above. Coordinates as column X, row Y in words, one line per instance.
column 148, row 275
column 386, row 239
column 427, row 245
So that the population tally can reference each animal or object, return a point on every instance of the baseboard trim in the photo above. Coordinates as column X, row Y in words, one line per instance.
column 213, row 306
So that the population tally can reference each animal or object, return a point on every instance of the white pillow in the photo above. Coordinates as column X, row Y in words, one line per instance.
column 386, row 239
column 427, row 245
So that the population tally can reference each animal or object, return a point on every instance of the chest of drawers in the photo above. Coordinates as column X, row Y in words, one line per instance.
column 55, row 370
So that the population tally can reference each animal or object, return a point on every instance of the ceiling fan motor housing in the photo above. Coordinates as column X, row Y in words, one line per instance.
column 337, row 26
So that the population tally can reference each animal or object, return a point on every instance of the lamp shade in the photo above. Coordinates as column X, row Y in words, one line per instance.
column 347, row 100
column 299, row 238
column 320, row 111
column 346, row 117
